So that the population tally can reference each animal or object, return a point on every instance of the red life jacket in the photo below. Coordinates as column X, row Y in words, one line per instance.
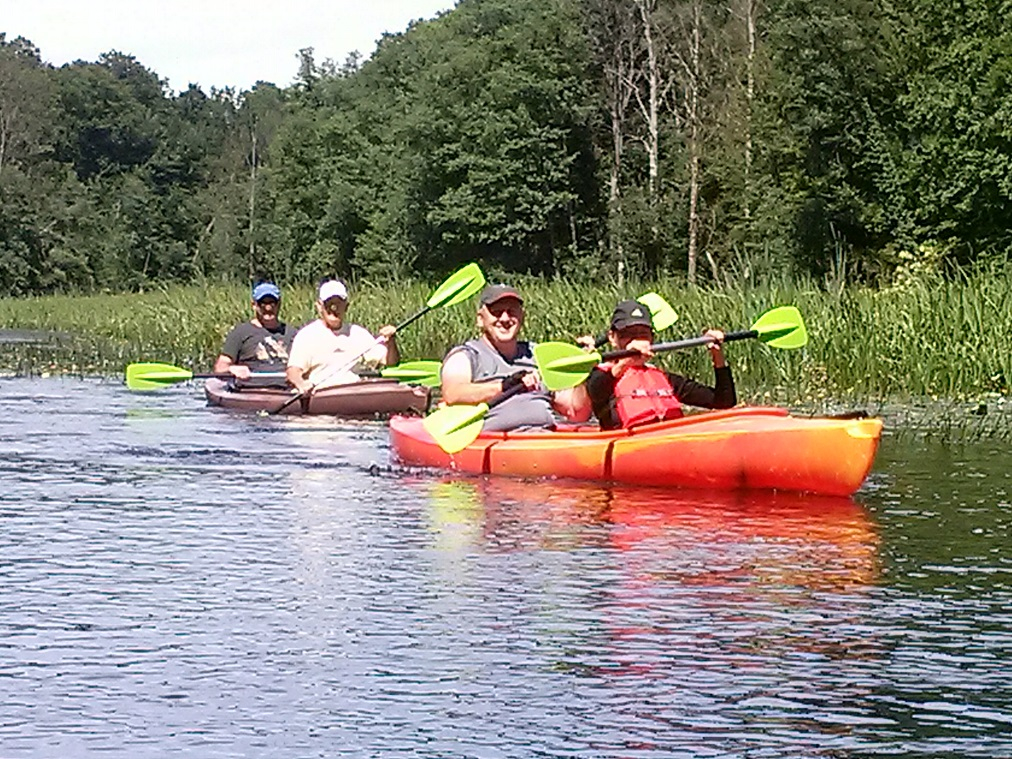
column 644, row 394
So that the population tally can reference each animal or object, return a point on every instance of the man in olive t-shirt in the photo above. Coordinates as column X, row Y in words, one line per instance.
column 260, row 345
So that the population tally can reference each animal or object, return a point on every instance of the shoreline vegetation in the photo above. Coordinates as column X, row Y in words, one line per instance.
column 925, row 340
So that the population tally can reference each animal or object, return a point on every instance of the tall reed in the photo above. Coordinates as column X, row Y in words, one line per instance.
column 931, row 338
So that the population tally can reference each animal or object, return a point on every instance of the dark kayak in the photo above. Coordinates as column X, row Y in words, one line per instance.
column 367, row 399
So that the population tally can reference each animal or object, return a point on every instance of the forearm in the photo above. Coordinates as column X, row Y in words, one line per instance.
column 295, row 378
column 573, row 403
column 692, row 393
column 724, row 394
column 393, row 352
column 471, row 392
column 222, row 364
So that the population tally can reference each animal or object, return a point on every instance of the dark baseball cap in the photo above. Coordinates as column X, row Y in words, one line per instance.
column 631, row 313
column 492, row 293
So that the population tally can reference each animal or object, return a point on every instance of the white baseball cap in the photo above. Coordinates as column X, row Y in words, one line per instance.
column 333, row 288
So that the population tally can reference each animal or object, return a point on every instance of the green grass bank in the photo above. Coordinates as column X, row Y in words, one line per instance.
column 926, row 337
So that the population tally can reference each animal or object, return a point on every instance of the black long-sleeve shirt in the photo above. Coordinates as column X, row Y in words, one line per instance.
column 601, row 388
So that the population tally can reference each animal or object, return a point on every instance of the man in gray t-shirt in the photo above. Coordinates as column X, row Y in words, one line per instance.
column 261, row 344
column 480, row 369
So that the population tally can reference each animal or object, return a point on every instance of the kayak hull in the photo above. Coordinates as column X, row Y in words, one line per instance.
column 743, row 448
column 367, row 399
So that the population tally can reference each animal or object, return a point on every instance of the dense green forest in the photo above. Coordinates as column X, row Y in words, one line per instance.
column 605, row 138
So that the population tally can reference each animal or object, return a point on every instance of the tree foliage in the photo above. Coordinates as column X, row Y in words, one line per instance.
column 588, row 137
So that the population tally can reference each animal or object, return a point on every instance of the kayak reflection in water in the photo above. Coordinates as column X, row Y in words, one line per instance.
column 260, row 345
column 722, row 574
column 755, row 537
column 497, row 361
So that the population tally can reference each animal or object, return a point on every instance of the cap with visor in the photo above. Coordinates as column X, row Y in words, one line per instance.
column 631, row 313
column 492, row 293
column 333, row 288
column 266, row 290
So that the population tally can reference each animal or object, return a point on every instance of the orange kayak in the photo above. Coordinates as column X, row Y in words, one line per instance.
column 742, row 448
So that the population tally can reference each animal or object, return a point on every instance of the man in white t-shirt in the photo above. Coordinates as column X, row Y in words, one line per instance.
column 325, row 351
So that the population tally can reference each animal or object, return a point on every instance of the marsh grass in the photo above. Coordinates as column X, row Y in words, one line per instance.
column 928, row 338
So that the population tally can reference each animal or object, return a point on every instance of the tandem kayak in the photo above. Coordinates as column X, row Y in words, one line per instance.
column 742, row 448
column 369, row 398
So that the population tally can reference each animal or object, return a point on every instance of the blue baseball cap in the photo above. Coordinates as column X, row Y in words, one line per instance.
column 266, row 290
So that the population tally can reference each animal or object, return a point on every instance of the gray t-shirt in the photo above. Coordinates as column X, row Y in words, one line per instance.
column 531, row 409
column 259, row 348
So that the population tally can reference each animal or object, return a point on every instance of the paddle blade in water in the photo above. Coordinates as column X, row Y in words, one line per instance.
column 458, row 287
column 154, row 376
column 661, row 313
column 563, row 365
column 782, row 327
column 456, row 427
column 424, row 373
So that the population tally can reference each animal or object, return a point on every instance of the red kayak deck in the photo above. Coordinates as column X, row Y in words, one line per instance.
column 743, row 448
column 366, row 399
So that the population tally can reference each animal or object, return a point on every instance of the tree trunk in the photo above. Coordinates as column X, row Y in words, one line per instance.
column 614, row 179
column 652, row 116
column 750, row 18
column 252, row 200
column 693, row 86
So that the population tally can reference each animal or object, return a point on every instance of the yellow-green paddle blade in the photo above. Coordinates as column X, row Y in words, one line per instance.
column 424, row 373
column 458, row 287
column 456, row 427
column 782, row 327
column 661, row 313
column 562, row 365
column 154, row 376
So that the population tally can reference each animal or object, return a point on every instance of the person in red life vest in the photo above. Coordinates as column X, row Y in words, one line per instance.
column 631, row 391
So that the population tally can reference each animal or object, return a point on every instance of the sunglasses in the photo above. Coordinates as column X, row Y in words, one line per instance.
column 267, row 302
column 498, row 309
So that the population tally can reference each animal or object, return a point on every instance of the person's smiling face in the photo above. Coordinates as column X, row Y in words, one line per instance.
column 266, row 310
column 501, row 321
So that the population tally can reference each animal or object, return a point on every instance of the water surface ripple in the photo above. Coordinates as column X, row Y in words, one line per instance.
column 176, row 580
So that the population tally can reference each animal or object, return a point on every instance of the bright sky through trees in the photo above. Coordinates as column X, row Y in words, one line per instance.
column 212, row 43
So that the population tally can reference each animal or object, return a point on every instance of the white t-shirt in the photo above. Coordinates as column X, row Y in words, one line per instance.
column 328, row 356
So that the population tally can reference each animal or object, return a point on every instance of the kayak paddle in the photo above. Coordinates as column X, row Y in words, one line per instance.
column 456, row 288
column 661, row 314
column 424, row 373
column 153, row 376
column 455, row 427
column 563, row 365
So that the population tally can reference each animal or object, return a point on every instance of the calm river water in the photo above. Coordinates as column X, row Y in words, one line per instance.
column 176, row 580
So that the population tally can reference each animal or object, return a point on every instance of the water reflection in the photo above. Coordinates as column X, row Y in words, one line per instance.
column 178, row 581
column 685, row 536
column 701, row 600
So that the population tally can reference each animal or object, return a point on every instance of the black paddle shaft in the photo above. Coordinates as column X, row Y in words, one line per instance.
column 410, row 319
column 505, row 395
column 229, row 375
column 690, row 342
